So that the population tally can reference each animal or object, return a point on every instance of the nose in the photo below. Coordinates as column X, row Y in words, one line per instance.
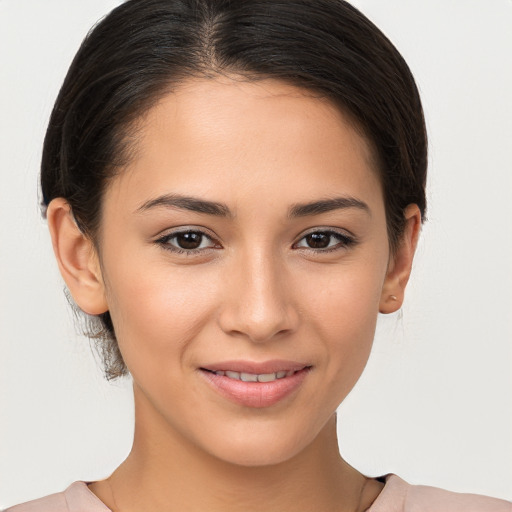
column 258, row 302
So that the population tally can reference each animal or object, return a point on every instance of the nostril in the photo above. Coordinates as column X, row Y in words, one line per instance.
column 257, row 305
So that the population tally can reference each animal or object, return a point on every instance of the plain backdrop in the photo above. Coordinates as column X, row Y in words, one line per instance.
column 435, row 402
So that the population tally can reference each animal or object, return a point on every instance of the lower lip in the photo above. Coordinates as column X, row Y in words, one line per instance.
column 256, row 394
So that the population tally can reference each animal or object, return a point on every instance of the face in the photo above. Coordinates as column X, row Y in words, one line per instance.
column 245, row 242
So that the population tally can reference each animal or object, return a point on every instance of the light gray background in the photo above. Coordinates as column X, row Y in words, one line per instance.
column 435, row 403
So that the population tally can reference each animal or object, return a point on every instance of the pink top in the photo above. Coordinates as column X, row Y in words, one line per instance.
column 397, row 496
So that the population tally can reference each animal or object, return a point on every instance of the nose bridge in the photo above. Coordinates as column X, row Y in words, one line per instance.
column 257, row 304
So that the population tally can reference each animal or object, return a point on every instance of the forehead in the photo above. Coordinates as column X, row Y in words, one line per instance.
column 226, row 135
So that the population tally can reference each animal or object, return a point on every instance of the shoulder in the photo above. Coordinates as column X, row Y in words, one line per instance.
column 399, row 496
column 76, row 498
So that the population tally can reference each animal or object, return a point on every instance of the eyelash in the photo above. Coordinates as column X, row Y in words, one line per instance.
column 344, row 242
column 165, row 240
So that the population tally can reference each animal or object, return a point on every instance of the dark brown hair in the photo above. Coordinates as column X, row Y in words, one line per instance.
column 145, row 48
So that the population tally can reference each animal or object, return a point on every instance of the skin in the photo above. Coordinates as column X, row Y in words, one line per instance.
column 254, row 290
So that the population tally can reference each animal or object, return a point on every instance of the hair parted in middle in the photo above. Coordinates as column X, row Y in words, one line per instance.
column 145, row 49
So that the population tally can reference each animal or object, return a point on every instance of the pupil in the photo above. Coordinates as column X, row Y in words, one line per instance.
column 318, row 240
column 189, row 240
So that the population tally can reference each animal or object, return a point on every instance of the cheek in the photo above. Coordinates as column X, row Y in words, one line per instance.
column 345, row 298
column 342, row 317
column 156, row 309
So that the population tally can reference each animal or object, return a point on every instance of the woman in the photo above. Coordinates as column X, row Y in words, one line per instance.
column 235, row 192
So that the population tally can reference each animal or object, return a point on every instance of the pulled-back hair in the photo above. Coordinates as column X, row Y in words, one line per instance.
column 145, row 49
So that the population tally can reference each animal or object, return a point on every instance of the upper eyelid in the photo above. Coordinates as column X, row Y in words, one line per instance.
column 327, row 229
column 345, row 241
column 164, row 237
column 169, row 232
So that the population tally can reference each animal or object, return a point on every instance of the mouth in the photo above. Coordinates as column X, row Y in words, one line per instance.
column 256, row 384
column 255, row 377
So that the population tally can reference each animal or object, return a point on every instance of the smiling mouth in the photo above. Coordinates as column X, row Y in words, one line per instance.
column 254, row 377
column 256, row 385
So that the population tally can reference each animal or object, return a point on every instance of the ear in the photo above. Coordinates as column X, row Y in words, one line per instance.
column 400, row 263
column 77, row 259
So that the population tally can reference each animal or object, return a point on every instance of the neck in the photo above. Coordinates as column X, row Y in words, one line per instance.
column 167, row 473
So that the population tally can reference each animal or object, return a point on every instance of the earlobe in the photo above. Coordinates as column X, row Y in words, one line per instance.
column 77, row 259
column 400, row 264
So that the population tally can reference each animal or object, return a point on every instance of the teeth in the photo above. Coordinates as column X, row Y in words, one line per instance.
column 267, row 377
column 253, row 377
column 248, row 377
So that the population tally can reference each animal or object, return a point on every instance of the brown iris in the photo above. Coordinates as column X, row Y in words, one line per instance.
column 318, row 240
column 190, row 240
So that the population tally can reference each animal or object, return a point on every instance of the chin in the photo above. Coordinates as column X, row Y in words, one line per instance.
column 261, row 445
column 258, row 456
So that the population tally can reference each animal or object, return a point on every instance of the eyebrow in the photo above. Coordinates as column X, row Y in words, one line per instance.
column 193, row 204
column 221, row 210
column 327, row 205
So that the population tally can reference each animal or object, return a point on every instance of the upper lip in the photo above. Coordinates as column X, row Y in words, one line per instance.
column 254, row 367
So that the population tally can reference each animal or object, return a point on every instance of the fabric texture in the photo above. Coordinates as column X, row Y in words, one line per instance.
column 76, row 498
column 397, row 496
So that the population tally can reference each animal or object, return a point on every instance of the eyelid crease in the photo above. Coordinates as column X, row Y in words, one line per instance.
column 192, row 228
column 346, row 240
column 342, row 232
column 164, row 241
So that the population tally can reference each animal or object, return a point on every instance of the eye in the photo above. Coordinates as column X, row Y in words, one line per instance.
column 187, row 241
column 325, row 241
